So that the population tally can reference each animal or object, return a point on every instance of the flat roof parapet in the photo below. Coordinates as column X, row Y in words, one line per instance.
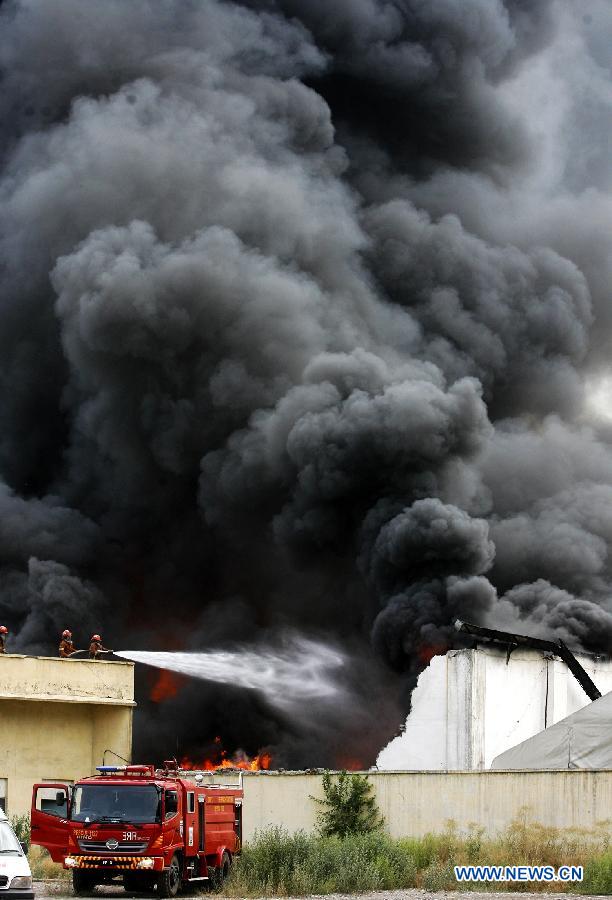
column 55, row 680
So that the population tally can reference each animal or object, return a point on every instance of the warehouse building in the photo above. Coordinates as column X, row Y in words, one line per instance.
column 58, row 717
column 469, row 706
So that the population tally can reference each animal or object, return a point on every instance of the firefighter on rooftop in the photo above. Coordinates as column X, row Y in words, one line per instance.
column 3, row 634
column 96, row 647
column 66, row 647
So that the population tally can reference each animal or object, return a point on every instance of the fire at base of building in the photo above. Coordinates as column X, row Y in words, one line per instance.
column 58, row 717
column 471, row 705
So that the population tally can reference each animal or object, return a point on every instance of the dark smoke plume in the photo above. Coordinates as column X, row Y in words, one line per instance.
column 302, row 309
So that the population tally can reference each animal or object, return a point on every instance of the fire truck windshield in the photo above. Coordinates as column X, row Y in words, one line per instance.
column 116, row 803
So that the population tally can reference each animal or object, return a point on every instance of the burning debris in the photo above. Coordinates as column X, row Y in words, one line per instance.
column 219, row 759
column 297, row 333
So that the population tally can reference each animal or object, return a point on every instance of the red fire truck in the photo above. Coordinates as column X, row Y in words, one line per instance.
column 150, row 827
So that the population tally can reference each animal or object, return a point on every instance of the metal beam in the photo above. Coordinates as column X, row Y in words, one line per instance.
column 558, row 648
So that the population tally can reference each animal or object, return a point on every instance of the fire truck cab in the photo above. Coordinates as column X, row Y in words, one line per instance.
column 151, row 827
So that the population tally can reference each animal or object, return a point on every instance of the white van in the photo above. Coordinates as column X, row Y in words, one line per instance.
column 15, row 875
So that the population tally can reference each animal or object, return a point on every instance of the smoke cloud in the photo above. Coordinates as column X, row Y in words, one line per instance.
column 300, row 309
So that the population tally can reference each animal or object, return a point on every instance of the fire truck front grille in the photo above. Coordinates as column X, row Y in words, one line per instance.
column 3, row 880
column 122, row 847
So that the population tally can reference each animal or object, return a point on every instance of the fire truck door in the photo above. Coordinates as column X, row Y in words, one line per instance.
column 238, row 823
column 50, row 808
column 201, row 836
column 190, row 823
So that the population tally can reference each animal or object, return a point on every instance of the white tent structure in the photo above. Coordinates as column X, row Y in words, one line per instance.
column 581, row 741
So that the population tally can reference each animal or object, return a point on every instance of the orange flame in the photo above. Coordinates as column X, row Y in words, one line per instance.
column 167, row 685
column 426, row 653
column 350, row 763
column 238, row 760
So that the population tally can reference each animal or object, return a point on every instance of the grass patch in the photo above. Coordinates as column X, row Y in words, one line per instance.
column 43, row 868
column 597, row 875
column 278, row 864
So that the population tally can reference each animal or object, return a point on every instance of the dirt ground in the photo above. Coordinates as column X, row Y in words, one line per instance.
column 60, row 890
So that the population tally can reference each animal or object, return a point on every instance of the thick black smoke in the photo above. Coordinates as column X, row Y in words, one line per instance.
column 301, row 307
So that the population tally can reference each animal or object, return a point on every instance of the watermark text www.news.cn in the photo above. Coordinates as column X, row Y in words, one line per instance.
column 518, row 873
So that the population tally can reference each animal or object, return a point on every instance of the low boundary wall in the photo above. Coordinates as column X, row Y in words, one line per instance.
column 414, row 803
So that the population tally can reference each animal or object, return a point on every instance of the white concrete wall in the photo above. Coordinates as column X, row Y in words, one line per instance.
column 417, row 803
column 471, row 705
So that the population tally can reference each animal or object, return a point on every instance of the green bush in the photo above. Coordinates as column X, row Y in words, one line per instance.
column 349, row 805
column 431, row 847
column 597, row 876
column 277, row 863
column 439, row 876
column 21, row 827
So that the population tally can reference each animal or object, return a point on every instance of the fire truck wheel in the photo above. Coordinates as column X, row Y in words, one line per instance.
column 226, row 863
column 221, row 873
column 83, row 883
column 169, row 880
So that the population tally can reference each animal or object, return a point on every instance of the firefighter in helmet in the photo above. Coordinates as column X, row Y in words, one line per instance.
column 66, row 647
column 96, row 647
column 3, row 634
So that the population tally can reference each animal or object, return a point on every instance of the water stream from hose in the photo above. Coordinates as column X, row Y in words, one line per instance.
column 301, row 672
